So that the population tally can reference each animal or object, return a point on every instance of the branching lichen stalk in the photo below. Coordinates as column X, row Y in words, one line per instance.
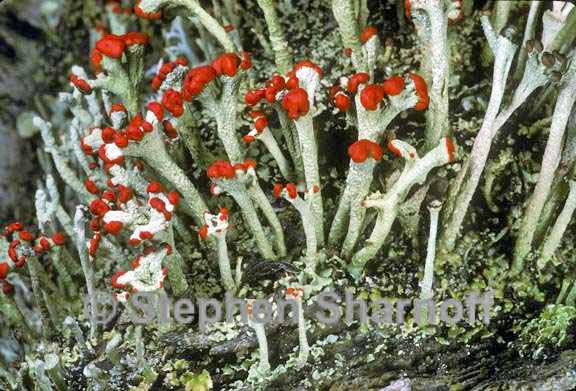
column 504, row 51
column 152, row 150
column 415, row 171
column 550, row 162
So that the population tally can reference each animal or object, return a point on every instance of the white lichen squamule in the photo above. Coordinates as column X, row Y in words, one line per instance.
column 147, row 274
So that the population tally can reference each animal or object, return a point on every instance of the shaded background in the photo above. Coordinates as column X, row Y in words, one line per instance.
column 37, row 47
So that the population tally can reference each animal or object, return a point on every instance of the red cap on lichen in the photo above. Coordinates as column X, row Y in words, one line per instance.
column 181, row 61
column 124, row 194
column 81, row 84
column 157, row 109
column 226, row 64
column 172, row 100
column 260, row 120
column 295, row 102
column 252, row 97
column 109, row 196
column 165, row 69
column 340, row 99
column 26, row 236
column 371, row 96
column 245, row 166
column 135, row 38
column 93, row 244
column 292, row 83
column 306, row 64
column 108, row 135
column 13, row 227
column 393, row 85
column 174, row 198
column 59, row 239
column 96, row 59
column 169, row 129
column 7, row 288
column 248, row 138
column 250, row 164
column 357, row 79
column 221, row 169
column 450, row 148
column 121, row 140
column 277, row 190
column 361, row 150
column 158, row 204
column 113, row 227
column 117, row 107
column 246, row 62
column 154, row 187
column 196, row 79
column 393, row 149
column 133, row 130
column 203, row 232
column 111, row 46
column 99, row 207
column 4, row 269
column 342, row 102
column 273, row 86
column 291, row 190
column 91, row 187
column 368, row 33
column 115, row 282
column 44, row 244
column 421, row 91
